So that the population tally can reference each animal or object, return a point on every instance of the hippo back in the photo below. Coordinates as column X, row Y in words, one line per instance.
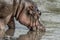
column 6, row 8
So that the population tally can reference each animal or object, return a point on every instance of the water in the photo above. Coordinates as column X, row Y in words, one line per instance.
column 50, row 18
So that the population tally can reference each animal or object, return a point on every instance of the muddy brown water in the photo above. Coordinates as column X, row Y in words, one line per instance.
column 50, row 18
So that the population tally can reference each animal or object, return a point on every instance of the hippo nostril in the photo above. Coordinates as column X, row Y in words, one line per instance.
column 37, row 10
column 39, row 13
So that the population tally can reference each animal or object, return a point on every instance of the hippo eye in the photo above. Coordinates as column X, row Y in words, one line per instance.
column 31, row 7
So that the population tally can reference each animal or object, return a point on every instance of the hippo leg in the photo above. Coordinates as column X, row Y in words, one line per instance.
column 11, row 23
column 2, row 28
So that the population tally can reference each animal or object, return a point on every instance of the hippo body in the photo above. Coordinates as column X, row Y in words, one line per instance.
column 25, row 11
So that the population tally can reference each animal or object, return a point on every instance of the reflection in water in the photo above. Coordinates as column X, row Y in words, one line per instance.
column 10, row 32
column 29, row 36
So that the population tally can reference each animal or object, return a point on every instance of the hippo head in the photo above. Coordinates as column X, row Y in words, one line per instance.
column 30, row 17
column 35, row 14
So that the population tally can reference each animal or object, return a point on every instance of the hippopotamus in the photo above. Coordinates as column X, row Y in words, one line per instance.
column 25, row 12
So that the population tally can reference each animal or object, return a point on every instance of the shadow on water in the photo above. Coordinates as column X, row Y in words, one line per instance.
column 35, row 35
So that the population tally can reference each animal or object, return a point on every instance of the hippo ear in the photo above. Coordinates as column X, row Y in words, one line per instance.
column 29, row 10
